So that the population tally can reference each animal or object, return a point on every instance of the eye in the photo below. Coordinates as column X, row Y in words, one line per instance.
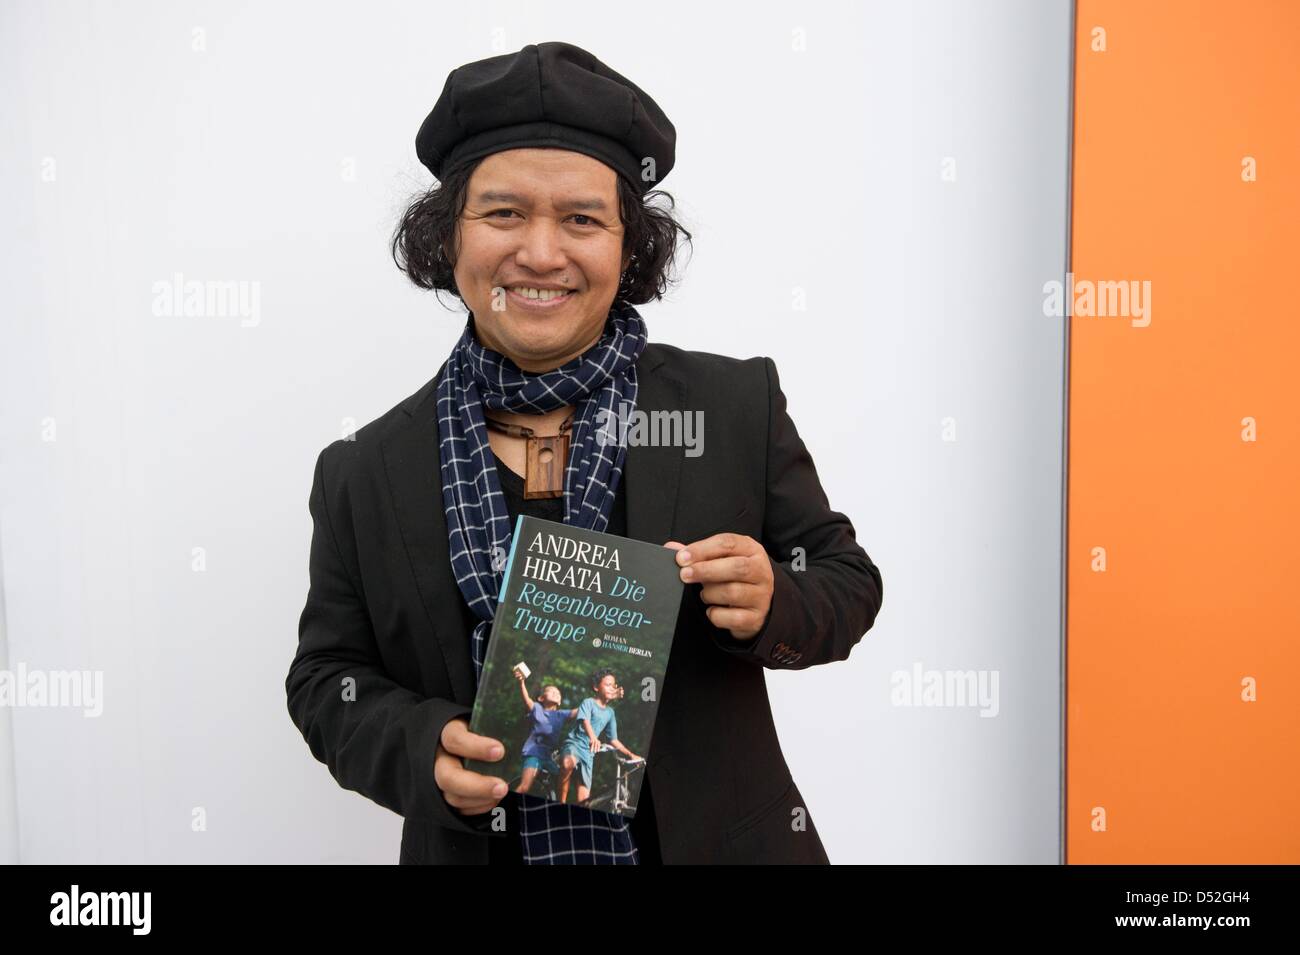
column 590, row 220
column 494, row 213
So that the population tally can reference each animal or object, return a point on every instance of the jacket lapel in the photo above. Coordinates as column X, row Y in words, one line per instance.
column 414, row 470
column 652, row 473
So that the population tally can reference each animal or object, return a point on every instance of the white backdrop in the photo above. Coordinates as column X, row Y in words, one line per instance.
column 272, row 144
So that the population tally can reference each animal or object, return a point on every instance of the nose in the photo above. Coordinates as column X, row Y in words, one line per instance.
column 541, row 247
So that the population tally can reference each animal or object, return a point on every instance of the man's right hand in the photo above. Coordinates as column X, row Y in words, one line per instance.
column 470, row 794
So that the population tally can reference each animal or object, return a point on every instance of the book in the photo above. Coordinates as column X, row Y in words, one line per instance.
column 579, row 645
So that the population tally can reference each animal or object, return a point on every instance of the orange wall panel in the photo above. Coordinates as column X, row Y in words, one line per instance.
column 1166, row 762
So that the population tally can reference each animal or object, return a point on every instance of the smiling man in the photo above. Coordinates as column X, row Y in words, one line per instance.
column 544, row 294
column 542, row 224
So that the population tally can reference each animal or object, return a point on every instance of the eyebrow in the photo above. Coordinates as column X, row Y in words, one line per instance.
column 592, row 204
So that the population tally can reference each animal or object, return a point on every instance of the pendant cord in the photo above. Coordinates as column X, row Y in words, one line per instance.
column 519, row 431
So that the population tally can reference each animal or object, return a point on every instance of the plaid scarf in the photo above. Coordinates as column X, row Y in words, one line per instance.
column 479, row 526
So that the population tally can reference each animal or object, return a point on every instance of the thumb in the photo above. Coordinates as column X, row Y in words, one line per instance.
column 458, row 740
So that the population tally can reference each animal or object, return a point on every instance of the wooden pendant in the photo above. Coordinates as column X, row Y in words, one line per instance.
column 544, row 468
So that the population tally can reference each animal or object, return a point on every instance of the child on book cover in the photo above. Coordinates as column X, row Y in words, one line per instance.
column 547, row 721
column 595, row 716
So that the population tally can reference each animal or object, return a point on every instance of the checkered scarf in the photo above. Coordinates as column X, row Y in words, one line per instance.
column 479, row 527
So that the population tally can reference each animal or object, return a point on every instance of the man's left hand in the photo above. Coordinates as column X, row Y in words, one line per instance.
column 735, row 575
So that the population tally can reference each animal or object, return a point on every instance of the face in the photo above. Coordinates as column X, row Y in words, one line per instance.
column 607, row 688
column 548, row 220
column 551, row 695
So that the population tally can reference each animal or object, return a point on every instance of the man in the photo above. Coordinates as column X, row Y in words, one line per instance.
column 540, row 225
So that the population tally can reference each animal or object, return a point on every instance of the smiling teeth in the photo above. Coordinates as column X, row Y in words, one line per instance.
column 544, row 294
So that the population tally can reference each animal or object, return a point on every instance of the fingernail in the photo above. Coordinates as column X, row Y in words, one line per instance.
column 688, row 573
column 499, row 789
column 496, row 752
column 683, row 556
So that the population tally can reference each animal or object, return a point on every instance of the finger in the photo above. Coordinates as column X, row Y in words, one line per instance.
column 469, row 806
column 718, row 545
column 459, row 741
column 675, row 545
column 741, row 568
column 733, row 594
column 733, row 618
column 463, row 787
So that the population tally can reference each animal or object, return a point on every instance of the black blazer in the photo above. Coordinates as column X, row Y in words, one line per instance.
column 383, row 609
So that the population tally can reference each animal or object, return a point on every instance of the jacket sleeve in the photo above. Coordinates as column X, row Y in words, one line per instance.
column 377, row 737
column 826, row 590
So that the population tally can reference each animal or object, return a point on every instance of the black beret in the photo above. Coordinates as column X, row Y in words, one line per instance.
column 548, row 94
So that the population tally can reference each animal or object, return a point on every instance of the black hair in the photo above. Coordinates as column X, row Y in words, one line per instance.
column 425, row 239
column 600, row 675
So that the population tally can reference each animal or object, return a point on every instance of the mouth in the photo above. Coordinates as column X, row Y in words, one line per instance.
column 538, row 300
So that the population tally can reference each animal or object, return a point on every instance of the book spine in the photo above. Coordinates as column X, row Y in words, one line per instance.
column 479, row 696
column 510, row 560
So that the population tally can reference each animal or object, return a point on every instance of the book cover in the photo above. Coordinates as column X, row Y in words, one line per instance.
column 575, row 663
